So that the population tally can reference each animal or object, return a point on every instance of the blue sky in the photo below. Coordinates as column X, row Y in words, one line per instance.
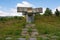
column 6, row 5
column 43, row 3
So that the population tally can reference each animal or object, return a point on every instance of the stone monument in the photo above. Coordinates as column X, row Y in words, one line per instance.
column 29, row 12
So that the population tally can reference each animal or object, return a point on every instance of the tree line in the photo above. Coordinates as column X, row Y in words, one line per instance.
column 48, row 12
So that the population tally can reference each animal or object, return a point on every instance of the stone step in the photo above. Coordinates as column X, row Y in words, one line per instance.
column 25, row 29
column 8, row 38
column 28, row 38
column 33, row 34
column 32, row 38
column 21, row 38
column 24, row 34
column 34, row 30
column 30, row 25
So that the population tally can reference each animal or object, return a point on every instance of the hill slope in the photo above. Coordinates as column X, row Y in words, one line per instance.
column 45, row 25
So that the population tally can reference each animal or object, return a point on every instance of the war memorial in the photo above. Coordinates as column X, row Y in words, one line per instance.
column 30, row 31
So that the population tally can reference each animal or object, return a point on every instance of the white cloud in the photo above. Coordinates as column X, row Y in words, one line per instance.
column 2, row 13
column 13, row 11
column 43, row 11
column 25, row 4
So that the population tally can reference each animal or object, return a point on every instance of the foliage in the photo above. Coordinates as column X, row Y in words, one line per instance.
column 48, row 12
column 48, row 25
column 57, row 13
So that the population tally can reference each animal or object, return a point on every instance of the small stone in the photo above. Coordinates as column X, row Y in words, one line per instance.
column 25, row 29
column 21, row 38
column 30, row 25
column 24, row 32
column 33, row 24
column 8, row 38
column 32, row 39
column 54, row 37
column 44, row 37
column 34, row 30
column 34, row 34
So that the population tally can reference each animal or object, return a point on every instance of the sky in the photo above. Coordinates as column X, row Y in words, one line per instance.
column 9, row 7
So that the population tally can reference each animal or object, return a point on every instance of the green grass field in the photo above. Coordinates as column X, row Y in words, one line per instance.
column 46, row 25
column 11, row 26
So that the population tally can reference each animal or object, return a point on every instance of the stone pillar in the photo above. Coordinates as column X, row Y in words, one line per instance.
column 29, row 19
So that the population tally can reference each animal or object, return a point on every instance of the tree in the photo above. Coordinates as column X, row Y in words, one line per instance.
column 57, row 13
column 48, row 12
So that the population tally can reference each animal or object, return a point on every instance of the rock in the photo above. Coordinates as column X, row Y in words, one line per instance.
column 34, row 34
column 44, row 37
column 24, row 34
column 8, row 38
column 34, row 30
column 30, row 30
column 21, row 38
column 25, row 29
column 54, row 37
column 30, row 25
column 32, row 39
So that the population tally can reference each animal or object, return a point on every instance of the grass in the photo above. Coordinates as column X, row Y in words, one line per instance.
column 12, row 26
column 48, row 25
